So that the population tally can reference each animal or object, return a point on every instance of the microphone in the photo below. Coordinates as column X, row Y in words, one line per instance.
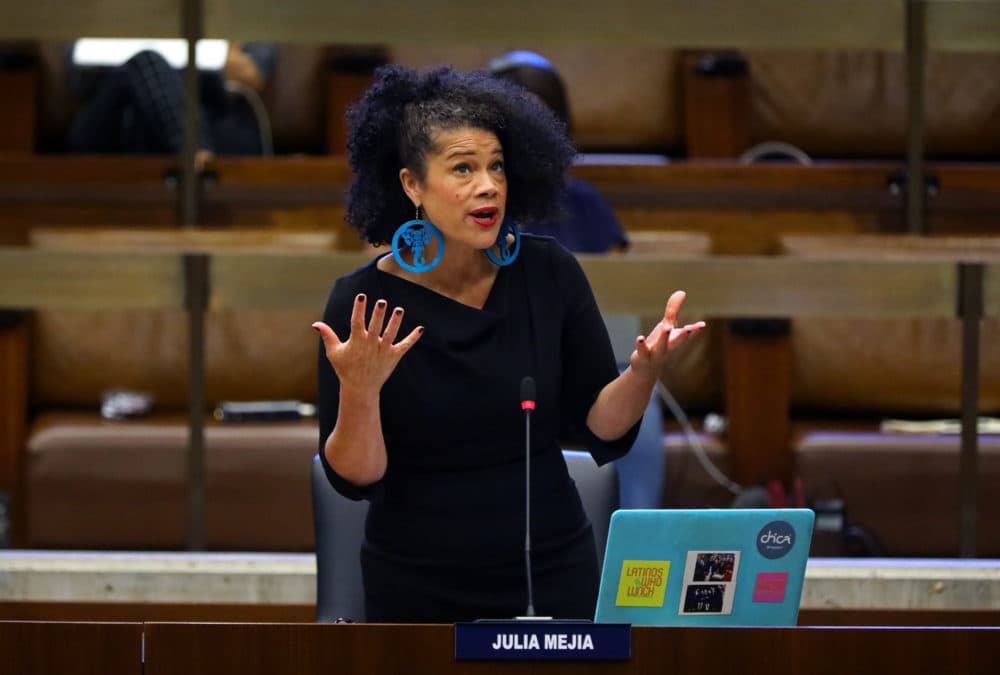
column 527, row 405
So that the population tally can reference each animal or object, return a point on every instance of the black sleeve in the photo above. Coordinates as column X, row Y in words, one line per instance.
column 588, row 360
column 337, row 315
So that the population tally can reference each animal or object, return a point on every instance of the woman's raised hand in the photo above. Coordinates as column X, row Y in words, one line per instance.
column 366, row 359
column 651, row 350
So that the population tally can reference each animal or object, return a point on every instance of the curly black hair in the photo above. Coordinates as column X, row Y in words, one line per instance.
column 393, row 124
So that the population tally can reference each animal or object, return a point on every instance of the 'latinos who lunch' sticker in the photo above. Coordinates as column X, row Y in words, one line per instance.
column 642, row 583
column 709, row 582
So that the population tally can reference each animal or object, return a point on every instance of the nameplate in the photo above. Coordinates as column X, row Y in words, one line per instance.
column 543, row 640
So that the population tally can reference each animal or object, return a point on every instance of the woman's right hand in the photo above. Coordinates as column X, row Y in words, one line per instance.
column 366, row 359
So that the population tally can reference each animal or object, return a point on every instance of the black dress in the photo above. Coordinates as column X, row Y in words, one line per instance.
column 444, row 539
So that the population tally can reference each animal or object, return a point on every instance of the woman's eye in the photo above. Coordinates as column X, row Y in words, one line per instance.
column 497, row 166
column 462, row 168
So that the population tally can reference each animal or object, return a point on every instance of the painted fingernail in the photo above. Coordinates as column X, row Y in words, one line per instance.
column 398, row 310
column 361, row 297
column 420, row 330
column 380, row 304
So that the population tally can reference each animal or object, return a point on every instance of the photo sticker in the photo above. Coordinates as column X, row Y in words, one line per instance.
column 770, row 587
column 705, row 599
column 709, row 582
column 643, row 583
column 714, row 567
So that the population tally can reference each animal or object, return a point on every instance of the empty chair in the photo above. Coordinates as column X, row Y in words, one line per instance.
column 598, row 488
column 340, row 528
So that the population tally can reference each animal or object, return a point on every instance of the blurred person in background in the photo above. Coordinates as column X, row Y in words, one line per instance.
column 587, row 223
column 138, row 106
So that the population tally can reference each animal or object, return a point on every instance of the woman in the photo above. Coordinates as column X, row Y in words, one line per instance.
column 424, row 350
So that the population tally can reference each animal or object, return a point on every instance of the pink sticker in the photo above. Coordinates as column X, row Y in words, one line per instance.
column 770, row 587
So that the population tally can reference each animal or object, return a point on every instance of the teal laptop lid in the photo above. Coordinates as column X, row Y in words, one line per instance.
column 705, row 567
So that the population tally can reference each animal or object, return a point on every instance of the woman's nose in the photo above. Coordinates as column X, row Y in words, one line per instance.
column 487, row 185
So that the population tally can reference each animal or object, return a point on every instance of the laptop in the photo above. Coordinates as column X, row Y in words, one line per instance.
column 705, row 567
column 210, row 55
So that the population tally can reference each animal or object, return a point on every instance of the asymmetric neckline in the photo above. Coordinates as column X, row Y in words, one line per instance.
column 432, row 295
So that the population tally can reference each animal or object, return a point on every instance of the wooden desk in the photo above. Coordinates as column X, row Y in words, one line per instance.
column 248, row 649
column 70, row 648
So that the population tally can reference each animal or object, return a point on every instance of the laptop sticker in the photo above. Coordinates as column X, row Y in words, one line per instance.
column 770, row 587
column 642, row 583
column 776, row 539
column 709, row 582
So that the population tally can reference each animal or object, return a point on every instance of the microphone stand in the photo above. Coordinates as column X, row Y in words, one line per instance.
column 527, row 405
column 530, row 611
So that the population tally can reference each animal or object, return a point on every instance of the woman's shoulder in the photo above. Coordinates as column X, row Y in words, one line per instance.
column 347, row 286
column 541, row 248
column 361, row 274
column 551, row 265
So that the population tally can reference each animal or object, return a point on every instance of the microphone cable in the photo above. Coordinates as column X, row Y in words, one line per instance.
column 260, row 113
column 692, row 440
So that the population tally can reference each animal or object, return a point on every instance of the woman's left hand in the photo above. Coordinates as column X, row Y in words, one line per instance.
column 651, row 350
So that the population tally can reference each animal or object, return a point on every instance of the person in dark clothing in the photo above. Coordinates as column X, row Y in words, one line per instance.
column 423, row 351
column 138, row 107
column 586, row 222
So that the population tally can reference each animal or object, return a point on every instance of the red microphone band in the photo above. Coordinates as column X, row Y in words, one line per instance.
column 527, row 405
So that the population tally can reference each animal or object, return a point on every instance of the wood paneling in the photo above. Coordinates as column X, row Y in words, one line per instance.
column 374, row 649
column 716, row 106
column 720, row 286
column 758, row 382
column 148, row 611
column 29, row 648
column 744, row 208
column 57, row 20
column 665, row 23
column 963, row 26
column 17, row 114
column 14, row 395
column 991, row 291
column 92, row 280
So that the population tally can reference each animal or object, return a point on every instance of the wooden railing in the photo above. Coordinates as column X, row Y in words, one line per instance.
column 958, row 283
column 910, row 26
column 374, row 649
column 161, row 193
column 967, row 25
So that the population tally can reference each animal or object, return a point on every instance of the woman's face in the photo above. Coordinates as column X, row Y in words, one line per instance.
column 464, row 191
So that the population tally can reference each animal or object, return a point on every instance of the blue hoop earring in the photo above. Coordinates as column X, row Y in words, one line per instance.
column 416, row 235
column 507, row 253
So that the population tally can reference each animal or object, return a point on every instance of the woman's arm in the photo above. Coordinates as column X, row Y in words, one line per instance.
column 355, row 449
column 622, row 401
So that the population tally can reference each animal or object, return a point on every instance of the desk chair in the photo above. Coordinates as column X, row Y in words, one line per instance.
column 340, row 525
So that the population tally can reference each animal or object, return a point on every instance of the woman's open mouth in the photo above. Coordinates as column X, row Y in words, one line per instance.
column 486, row 217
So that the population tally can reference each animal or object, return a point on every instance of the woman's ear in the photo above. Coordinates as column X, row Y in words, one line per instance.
column 411, row 186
